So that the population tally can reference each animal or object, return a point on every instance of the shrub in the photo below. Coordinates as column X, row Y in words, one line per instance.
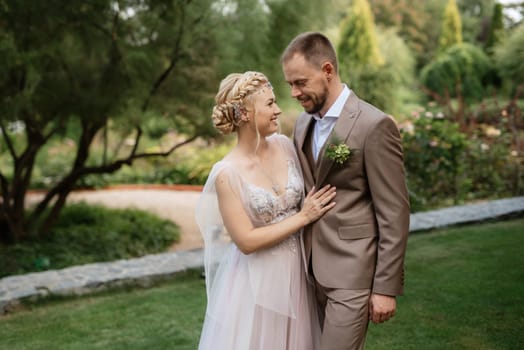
column 191, row 165
column 451, row 31
column 88, row 234
column 433, row 151
column 52, row 163
column 496, row 29
column 509, row 57
column 463, row 70
column 156, row 126
column 358, row 42
column 376, row 86
column 494, row 169
column 198, row 162
column 446, row 166
column 390, row 86
column 386, row 86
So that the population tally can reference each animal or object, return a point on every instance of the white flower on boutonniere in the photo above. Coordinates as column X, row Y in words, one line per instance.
column 338, row 152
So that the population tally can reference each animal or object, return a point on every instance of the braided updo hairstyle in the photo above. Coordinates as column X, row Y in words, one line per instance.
column 234, row 91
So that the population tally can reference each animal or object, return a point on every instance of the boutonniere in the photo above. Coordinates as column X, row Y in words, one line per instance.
column 338, row 152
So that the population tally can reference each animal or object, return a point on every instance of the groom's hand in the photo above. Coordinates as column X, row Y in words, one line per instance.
column 381, row 307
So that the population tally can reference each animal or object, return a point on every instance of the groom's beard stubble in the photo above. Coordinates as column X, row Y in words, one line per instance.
column 319, row 101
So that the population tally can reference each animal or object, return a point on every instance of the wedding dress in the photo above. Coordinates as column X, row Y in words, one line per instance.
column 259, row 301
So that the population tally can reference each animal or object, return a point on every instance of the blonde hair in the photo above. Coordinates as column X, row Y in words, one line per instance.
column 233, row 94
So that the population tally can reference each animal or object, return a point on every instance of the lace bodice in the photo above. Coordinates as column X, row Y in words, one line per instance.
column 271, row 208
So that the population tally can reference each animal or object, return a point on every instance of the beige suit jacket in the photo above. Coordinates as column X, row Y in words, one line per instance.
column 360, row 243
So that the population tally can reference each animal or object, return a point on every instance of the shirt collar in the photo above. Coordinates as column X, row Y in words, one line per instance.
column 336, row 108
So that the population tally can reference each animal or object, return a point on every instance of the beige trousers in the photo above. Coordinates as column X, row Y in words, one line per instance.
column 344, row 317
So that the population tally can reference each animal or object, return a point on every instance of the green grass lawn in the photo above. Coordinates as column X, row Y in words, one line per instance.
column 464, row 290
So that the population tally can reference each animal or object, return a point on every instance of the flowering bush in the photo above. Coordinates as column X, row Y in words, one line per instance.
column 433, row 149
column 447, row 166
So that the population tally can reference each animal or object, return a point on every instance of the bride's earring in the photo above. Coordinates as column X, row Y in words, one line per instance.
column 240, row 113
column 245, row 118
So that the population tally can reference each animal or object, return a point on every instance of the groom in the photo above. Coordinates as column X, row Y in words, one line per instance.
column 355, row 252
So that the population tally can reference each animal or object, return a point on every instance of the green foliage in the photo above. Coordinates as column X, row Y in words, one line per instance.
column 433, row 159
column 409, row 19
column 446, row 166
column 376, row 86
column 119, row 71
column 451, row 32
column 88, row 234
column 475, row 17
column 492, row 167
column 358, row 43
column 51, row 164
column 462, row 70
column 190, row 166
column 240, row 17
column 509, row 57
column 376, row 63
column 104, row 67
column 285, row 22
column 496, row 29
column 252, row 34
column 157, row 126
column 398, row 81
column 419, row 23
column 386, row 86
column 200, row 161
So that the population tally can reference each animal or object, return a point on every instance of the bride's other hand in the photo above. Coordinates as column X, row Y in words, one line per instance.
column 317, row 203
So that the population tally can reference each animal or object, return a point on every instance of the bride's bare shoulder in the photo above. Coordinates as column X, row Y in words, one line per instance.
column 281, row 145
column 237, row 164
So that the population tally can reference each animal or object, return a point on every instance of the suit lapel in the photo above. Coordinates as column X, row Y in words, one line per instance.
column 341, row 132
column 301, row 132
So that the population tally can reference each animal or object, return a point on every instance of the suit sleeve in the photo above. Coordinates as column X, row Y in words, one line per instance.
column 384, row 166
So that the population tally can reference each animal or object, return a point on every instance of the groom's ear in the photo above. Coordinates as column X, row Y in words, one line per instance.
column 328, row 70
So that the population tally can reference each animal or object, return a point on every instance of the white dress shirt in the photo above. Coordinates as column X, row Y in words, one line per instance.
column 324, row 125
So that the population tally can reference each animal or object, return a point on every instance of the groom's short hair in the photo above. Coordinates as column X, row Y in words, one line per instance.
column 315, row 47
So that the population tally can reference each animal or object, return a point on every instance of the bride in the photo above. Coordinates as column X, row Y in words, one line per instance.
column 258, row 296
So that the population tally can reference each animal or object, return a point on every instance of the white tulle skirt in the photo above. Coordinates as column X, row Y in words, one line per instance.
column 261, row 301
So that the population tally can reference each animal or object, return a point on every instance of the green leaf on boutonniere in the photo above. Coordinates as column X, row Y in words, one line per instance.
column 338, row 152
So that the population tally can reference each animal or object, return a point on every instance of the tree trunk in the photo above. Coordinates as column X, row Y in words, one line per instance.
column 13, row 196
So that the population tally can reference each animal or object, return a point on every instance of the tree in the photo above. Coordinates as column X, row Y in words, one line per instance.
column 475, row 16
column 398, row 87
column 254, row 33
column 358, row 42
column 362, row 62
column 463, row 72
column 451, row 32
column 509, row 58
column 106, row 68
column 96, row 66
column 496, row 29
column 285, row 22
column 415, row 22
column 409, row 18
